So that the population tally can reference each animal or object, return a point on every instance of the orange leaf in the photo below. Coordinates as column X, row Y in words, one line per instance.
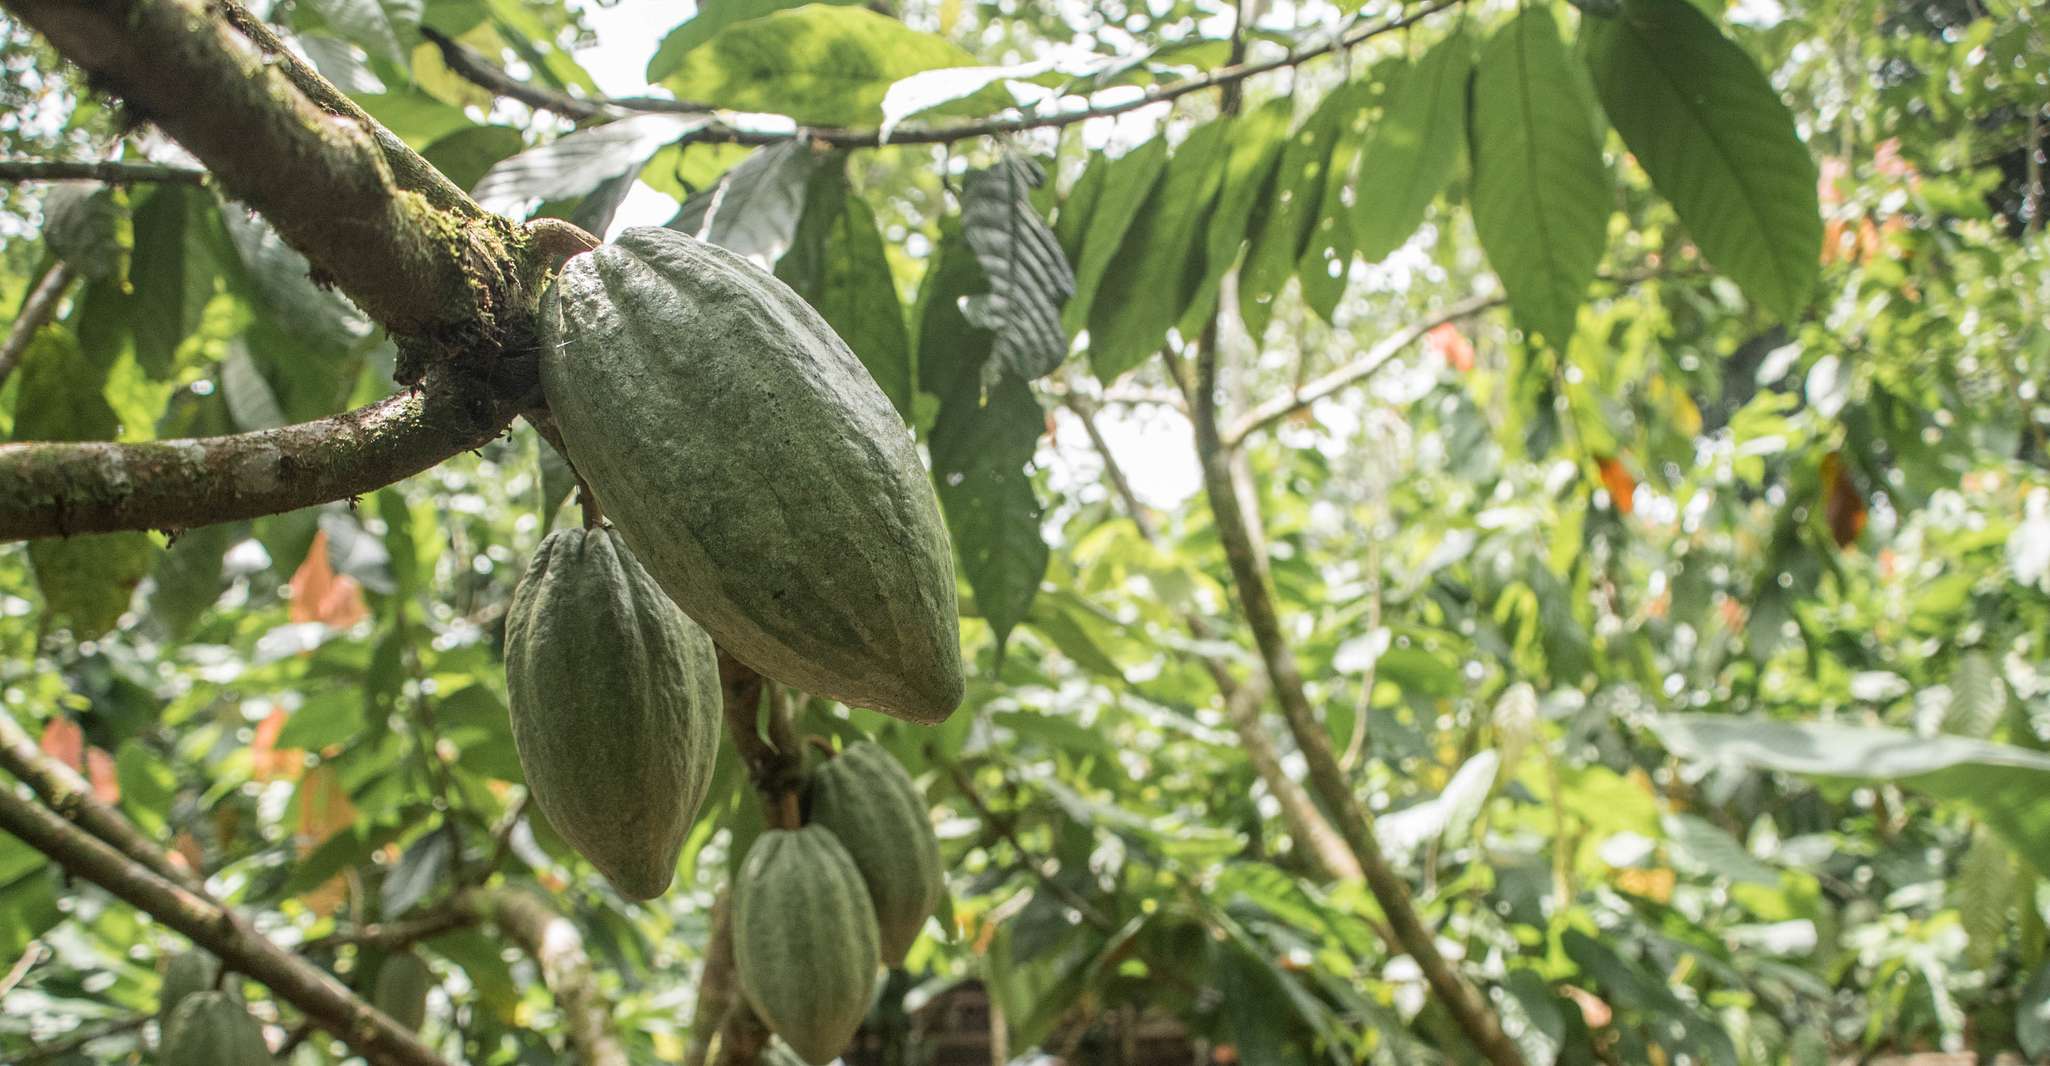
column 1842, row 503
column 1447, row 343
column 321, row 595
column 99, row 769
column 65, row 742
column 267, row 762
column 186, row 852
column 324, row 807
column 1622, row 487
column 1593, row 1010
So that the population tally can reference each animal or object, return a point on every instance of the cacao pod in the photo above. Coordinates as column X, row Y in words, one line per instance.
column 615, row 706
column 403, row 981
column 804, row 940
column 212, row 1029
column 185, row 973
column 756, row 468
column 866, row 800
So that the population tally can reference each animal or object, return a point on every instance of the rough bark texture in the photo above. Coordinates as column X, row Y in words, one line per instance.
column 63, row 791
column 324, row 1000
column 112, row 172
column 1256, row 601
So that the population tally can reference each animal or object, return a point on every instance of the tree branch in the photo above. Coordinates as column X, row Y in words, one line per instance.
column 63, row 791
column 36, row 311
column 1366, row 366
column 324, row 1000
column 715, row 983
column 50, row 489
column 431, row 266
column 481, row 72
column 558, row 950
column 1249, row 583
column 719, row 133
column 110, row 171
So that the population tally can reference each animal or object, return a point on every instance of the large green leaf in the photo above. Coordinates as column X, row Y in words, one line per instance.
column 1999, row 783
column 981, row 457
column 1541, row 194
column 1160, row 262
column 1029, row 276
column 1413, row 150
column 754, row 208
column 576, row 163
column 88, row 226
column 1707, row 126
column 1281, row 225
column 837, row 262
column 711, row 17
column 173, row 273
column 1127, row 181
column 1256, row 142
column 819, row 64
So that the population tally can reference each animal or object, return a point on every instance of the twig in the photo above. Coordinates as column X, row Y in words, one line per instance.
column 1223, row 77
column 29, row 957
column 394, row 935
column 36, row 311
column 324, row 1000
column 479, row 71
column 113, row 172
column 69, row 795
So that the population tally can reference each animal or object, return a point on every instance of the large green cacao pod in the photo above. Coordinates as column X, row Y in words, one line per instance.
column 756, row 469
column 403, row 981
column 804, row 940
column 615, row 706
column 212, row 1029
column 186, row 973
column 866, row 800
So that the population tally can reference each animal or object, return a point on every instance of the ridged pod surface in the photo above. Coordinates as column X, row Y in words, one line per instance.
column 212, row 1029
column 866, row 800
column 615, row 706
column 804, row 940
column 403, row 981
column 757, row 470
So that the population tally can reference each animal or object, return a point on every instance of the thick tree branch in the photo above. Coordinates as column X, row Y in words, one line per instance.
column 63, row 791
column 1224, row 77
column 324, row 1000
column 36, row 311
column 50, row 489
column 558, row 950
column 1366, row 366
column 110, row 171
column 429, row 265
column 1256, row 601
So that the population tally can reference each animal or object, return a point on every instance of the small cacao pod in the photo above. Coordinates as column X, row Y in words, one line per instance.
column 403, row 981
column 756, row 468
column 185, row 973
column 804, row 940
column 866, row 800
column 615, row 706
column 212, row 1029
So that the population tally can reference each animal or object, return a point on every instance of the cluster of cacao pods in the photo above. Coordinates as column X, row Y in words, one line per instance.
column 762, row 493
column 817, row 908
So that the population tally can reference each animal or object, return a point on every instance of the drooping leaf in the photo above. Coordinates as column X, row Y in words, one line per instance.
column 89, row 580
column 252, row 403
column 466, row 155
column 951, row 349
column 819, row 64
column 952, row 90
column 1326, row 260
column 1144, row 292
column 593, row 214
column 1413, row 150
column 1281, row 223
column 363, row 21
column 981, row 455
column 1029, row 277
column 1257, row 140
column 1541, row 194
column 838, row 264
column 711, row 17
column 173, row 273
column 576, row 163
column 188, row 577
column 88, row 226
column 1706, row 124
column 1997, row 782
column 754, row 208
column 279, row 281
column 60, row 396
column 1127, row 182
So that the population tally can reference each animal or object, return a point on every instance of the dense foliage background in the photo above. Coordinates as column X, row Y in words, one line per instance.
column 1668, row 563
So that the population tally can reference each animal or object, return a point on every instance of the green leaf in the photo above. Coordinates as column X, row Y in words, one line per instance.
column 147, row 787
column 1127, row 182
column 2032, row 1015
column 1143, row 294
column 754, row 208
column 1541, row 193
column 1985, row 890
column 980, row 456
column 88, row 226
column 1414, row 149
column 1257, row 139
column 711, row 17
column 951, row 350
column 188, row 578
column 1978, row 697
column 61, row 392
column 1325, row 263
column 1029, row 277
column 364, row 22
column 837, row 262
column 173, row 273
column 576, row 163
column 1997, row 782
column 819, row 64
column 1287, row 212
column 89, row 580
column 468, row 154
column 1705, row 123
